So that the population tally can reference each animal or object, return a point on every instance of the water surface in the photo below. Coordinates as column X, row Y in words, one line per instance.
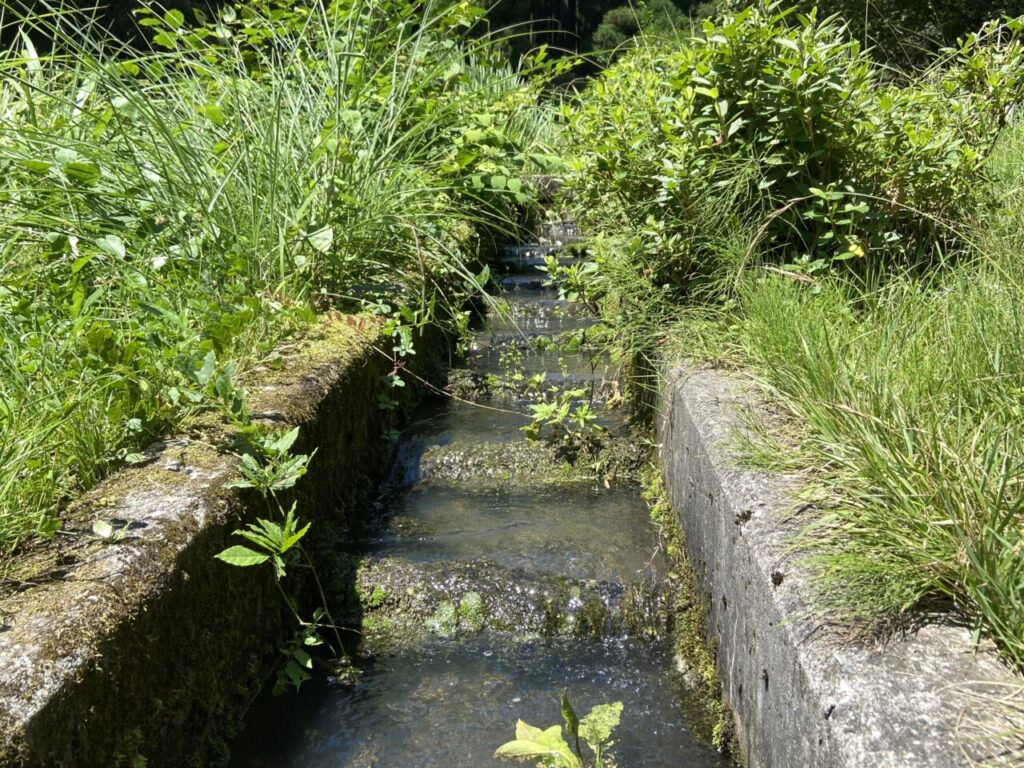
column 451, row 704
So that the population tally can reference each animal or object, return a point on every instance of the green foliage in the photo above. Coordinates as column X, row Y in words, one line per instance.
column 770, row 196
column 547, row 746
column 550, row 746
column 168, row 217
column 272, row 541
column 567, row 413
column 789, row 118
column 268, row 467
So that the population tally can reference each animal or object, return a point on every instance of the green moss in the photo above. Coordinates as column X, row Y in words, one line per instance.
column 378, row 626
column 471, row 612
column 695, row 653
column 377, row 597
column 591, row 616
column 444, row 621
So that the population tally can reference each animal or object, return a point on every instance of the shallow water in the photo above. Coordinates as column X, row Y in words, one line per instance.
column 577, row 532
column 452, row 704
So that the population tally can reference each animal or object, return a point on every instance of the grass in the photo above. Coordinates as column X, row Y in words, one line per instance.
column 167, row 217
column 908, row 399
column 905, row 403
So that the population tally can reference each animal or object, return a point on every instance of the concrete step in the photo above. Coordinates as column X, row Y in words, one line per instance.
column 559, row 233
column 513, row 283
column 404, row 599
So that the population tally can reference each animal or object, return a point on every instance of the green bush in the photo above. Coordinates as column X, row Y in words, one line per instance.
column 770, row 197
column 832, row 163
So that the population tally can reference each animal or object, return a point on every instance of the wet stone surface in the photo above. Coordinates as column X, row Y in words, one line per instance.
column 500, row 572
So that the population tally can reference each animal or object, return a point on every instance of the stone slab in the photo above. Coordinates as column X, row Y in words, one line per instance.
column 803, row 695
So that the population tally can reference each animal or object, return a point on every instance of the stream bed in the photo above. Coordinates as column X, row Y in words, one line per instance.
column 505, row 581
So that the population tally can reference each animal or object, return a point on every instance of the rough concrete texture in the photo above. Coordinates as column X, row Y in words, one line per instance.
column 142, row 650
column 801, row 694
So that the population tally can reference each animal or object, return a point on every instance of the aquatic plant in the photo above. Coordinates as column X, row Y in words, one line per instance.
column 550, row 746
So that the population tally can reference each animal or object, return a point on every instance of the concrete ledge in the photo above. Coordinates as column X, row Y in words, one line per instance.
column 800, row 694
column 144, row 651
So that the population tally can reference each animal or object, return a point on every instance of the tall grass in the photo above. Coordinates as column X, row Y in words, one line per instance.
column 167, row 217
column 908, row 400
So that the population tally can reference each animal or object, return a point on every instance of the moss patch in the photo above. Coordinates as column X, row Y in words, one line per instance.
column 708, row 716
column 444, row 621
column 471, row 612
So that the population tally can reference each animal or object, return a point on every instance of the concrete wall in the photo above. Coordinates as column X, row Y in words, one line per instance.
column 803, row 694
column 148, row 647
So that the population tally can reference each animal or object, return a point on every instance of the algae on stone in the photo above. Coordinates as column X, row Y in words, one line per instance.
column 444, row 620
column 471, row 612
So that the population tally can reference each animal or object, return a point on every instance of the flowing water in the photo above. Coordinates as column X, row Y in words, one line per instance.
column 565, row 577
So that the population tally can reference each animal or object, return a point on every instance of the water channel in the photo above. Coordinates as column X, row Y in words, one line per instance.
column 469, row 509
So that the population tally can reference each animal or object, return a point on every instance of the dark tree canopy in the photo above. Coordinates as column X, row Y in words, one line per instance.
column 907, row 32
column 584, row 25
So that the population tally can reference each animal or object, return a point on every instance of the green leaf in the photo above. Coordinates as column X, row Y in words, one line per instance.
column 213, row 113
column 82, row 171
column 209, row 367
column 261, row 540
column 284, row 443
column 124, row 106
column 289, row 542
column 80, row 262
column 36, row 166
column 243, row 557
column 572, row 722
column 534, row 743
column 174, row 19
column 322, row 239
column 111, row 244
column 165, row 40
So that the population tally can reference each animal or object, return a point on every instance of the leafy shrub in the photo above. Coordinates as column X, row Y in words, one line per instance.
column 791, row 120
column 774, row 136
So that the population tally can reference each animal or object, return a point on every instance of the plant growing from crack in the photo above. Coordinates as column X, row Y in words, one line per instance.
column 268, row 467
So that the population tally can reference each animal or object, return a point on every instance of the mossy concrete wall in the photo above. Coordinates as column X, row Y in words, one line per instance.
column 803, row 693
column 145, row 651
